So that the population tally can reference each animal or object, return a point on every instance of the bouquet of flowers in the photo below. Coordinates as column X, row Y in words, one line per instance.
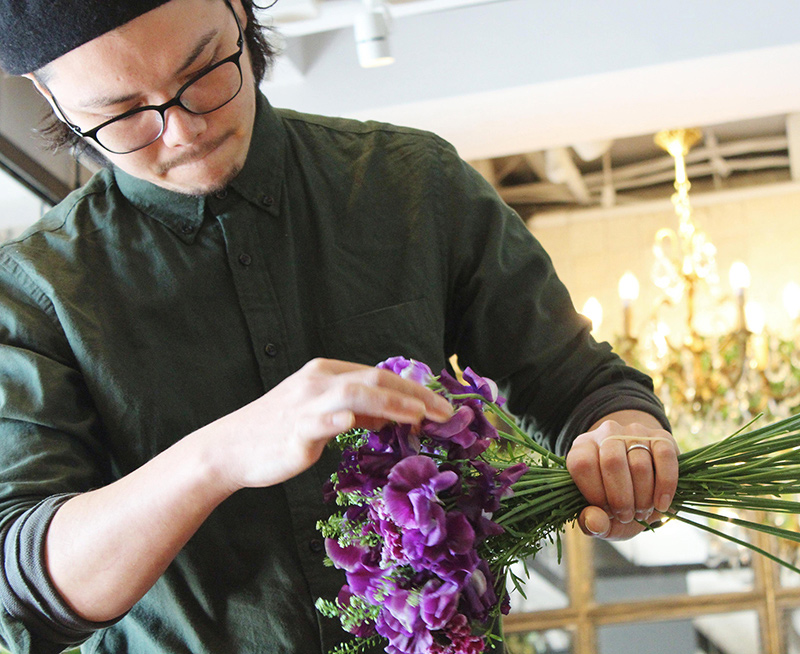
column 434, row 517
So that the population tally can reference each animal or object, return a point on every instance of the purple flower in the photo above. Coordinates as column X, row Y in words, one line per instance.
column 477, row 595
column 473, row 384
column 402, row 640
column 456, row 429
column 428, row 505
column 392, row 552
column 482, row 386
column 462, row 641
column 367, row 468
column 459, row 539
column 408, row 369
column 411, row 496
column 438, row 602
column 509, row 477
column 409, row 616
column 401, row 440
column 466, row 435
column 345, row 558
column 404, row 607
column 481, row 495
column 361, row 564
column 456, row 568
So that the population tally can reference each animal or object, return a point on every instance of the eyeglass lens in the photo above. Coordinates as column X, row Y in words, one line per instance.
column 207, row 93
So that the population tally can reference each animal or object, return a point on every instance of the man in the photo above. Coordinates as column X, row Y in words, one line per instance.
column 180, row 338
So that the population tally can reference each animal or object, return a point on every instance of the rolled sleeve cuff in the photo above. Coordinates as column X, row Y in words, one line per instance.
column 26, row 590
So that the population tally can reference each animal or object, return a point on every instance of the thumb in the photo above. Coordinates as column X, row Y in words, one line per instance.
column 593, row 521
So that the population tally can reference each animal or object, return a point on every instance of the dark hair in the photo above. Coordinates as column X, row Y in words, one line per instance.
column 58, row 136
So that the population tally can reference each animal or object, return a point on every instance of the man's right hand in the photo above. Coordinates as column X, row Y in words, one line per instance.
column 282, row 433
column 107, row 547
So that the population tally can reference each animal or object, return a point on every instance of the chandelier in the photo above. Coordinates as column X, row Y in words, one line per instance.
column 714, row 362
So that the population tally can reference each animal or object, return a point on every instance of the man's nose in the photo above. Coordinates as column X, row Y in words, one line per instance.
column 181, row 127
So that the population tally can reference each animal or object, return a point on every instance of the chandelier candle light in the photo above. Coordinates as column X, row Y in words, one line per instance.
column 713, row 368
column 433, row 518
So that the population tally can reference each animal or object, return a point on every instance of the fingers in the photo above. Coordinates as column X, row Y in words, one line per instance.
column 339, row 395
column 593, row 521
column 375, row 393
column 665, row 460
column 642, row 473
column 626, row 473
column 583, row 464
column 627, row 476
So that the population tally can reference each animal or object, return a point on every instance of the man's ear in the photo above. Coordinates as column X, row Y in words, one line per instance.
column 43, row 90
column 39, row 86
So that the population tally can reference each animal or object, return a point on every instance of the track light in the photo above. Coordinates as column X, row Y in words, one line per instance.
column 371, row 29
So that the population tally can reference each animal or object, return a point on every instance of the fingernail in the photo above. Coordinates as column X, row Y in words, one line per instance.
column 597, row 531
column 644, row 515
column 624, row 517
column 663, row 503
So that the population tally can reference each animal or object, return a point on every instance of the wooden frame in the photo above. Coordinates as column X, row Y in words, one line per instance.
column 584, row 615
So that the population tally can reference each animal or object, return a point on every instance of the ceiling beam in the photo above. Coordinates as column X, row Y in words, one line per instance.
column 560, row 168
column 793, row 136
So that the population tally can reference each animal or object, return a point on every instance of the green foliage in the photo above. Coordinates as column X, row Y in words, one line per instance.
column 354, row 438
column 352, row 615
column 359, row 646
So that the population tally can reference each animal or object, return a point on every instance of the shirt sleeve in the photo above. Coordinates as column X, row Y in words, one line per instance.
column 26, row 589
column 50, row 437
column 511, row 318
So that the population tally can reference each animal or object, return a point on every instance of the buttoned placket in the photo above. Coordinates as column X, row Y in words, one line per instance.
column 259, row 302
column 257, row 297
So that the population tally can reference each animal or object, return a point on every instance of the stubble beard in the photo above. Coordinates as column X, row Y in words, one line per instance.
column 197, row 155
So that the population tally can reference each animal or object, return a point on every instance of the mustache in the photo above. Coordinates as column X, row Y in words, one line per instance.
column 194, row 154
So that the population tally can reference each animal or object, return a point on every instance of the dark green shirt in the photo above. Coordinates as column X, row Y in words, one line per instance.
column 131, row 316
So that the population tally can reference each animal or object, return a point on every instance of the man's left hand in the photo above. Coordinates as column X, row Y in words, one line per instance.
column 626, row 466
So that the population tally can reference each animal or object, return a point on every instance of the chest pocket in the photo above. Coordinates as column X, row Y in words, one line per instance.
column 407, row 329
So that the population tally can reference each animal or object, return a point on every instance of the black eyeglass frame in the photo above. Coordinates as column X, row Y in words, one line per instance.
column 162, row 108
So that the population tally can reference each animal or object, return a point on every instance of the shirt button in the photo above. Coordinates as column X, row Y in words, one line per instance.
column 271, row 349
column 187, row 228
column 267, row 200
column 245, row 259
column 221, row 194
column 316, row 545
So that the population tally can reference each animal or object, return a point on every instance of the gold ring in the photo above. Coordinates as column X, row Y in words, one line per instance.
column 635, row 446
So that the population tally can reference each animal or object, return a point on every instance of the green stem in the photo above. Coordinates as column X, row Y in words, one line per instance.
column 527, row 441
column 733, row 539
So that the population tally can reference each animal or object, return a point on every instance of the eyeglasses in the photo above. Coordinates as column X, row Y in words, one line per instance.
column 209, row 90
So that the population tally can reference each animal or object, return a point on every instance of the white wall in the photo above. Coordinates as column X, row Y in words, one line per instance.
column 19, row 208
column 592, row 249
column 523, row 75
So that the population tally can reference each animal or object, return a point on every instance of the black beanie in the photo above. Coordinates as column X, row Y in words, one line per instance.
column 35, row 32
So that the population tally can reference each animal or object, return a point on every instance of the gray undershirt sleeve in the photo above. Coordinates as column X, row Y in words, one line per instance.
column 26, row 590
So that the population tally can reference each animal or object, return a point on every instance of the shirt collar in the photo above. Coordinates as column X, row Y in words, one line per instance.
column 183, row 214
column 260, row 180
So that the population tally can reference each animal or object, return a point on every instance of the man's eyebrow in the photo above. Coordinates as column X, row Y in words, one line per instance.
column 198, row 50
column 112, row 100
column 101, row 101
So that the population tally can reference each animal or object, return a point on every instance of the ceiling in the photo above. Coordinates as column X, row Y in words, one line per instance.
column 557, row 102
column 628, row 170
